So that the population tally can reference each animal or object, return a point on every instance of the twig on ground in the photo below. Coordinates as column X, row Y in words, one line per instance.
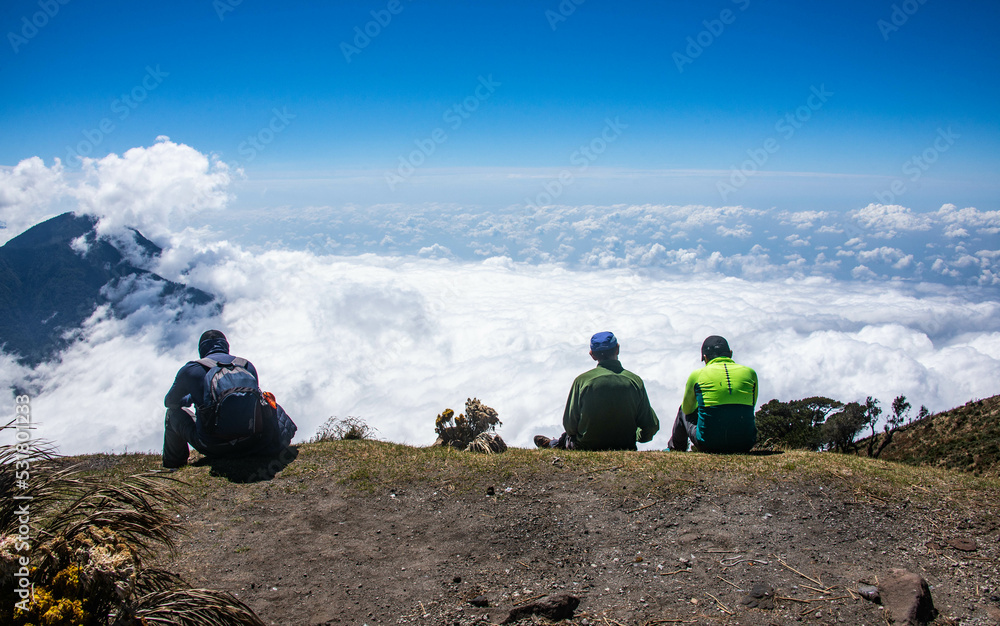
column 872, row 495
column 810, row 600
column 605, row 469
column 824, row 591
column 524, row 564
column 668, row 621
column 611, row 621
column 722, row 606
column 688, row 570
column 734, row 585
column 739, row 559
column 646, row 506
column 531, row 599
column 815, row 580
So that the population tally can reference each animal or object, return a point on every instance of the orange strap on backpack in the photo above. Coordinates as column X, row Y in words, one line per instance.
column 269, row 398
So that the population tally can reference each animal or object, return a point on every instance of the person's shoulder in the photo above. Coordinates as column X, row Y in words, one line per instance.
column 631, row 374
column 749, row 371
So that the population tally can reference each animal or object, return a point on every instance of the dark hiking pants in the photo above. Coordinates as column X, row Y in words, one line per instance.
column 685, row 427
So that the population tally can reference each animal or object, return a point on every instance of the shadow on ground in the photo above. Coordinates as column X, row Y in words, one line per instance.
column 251, row 469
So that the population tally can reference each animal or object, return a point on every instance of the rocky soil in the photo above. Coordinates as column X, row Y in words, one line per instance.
column 345, row 535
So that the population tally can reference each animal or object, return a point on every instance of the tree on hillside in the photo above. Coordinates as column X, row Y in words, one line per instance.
column 795, row 424
column 900, row 407
column 872, row 412
column 841, row 428
column 921, row 414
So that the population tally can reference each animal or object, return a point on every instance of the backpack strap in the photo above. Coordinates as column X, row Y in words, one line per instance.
column 240, row 361
column 207, row 362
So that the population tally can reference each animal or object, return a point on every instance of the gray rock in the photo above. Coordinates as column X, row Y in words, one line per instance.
column 555, row 608
column 907, row 598
column 869, row 592
column 761, row 596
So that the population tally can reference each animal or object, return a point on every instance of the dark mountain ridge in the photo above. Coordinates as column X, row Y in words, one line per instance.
column 49, row 285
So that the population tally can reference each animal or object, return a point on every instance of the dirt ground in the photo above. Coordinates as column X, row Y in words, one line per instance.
column 639, row 538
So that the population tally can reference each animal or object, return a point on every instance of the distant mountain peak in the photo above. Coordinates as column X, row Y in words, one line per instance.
column 48, row 286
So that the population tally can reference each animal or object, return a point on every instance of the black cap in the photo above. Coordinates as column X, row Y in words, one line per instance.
column 715, row 346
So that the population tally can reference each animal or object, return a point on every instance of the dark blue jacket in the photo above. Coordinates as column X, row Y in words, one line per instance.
column 189, row 388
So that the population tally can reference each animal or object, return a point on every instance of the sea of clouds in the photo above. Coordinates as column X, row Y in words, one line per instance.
column 393, row 313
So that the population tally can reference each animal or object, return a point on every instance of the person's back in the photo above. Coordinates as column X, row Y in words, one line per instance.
column 612, row 401
column 717, row 412
column 607, row 408
column 271, row 432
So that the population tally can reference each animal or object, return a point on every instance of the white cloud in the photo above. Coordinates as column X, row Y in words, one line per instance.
column 28, row 193
column 985, row 222
column 396, row 340
column 805, row 219
column 887, row 220
column 152, row 189
column 337, row 330
column 892, row 256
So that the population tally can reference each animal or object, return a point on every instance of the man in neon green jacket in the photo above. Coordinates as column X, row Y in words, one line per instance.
column 717, row 413
column 607, row 408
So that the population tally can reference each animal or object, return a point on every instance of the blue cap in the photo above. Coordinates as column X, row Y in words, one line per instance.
column 602, row 342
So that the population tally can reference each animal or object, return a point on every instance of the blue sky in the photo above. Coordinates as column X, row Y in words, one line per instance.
column 476, row 188
column 212, row 75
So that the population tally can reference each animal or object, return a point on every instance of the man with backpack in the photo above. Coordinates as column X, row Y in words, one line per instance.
column 717, row 411
column 233, row 417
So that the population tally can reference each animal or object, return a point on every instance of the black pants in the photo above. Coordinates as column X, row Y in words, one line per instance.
column 563, row 442
column 685, row 428
column 179, row 430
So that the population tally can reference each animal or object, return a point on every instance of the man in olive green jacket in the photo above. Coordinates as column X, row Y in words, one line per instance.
column 607, row 408
column 717, row 413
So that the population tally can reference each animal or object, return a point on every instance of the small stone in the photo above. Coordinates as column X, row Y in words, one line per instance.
column 490, row 491
column 963, row 544
column 869, row 592
column 456, row 579
column 479, row 601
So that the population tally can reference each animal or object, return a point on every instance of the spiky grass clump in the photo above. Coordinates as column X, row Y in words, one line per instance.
column 84, row 544
column 344, row 429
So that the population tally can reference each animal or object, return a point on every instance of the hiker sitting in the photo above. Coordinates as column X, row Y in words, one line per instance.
column 233, row 417
column 607, row 407
column 717, row 413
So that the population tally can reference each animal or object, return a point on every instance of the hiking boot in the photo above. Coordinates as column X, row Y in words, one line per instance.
column 542, row 441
